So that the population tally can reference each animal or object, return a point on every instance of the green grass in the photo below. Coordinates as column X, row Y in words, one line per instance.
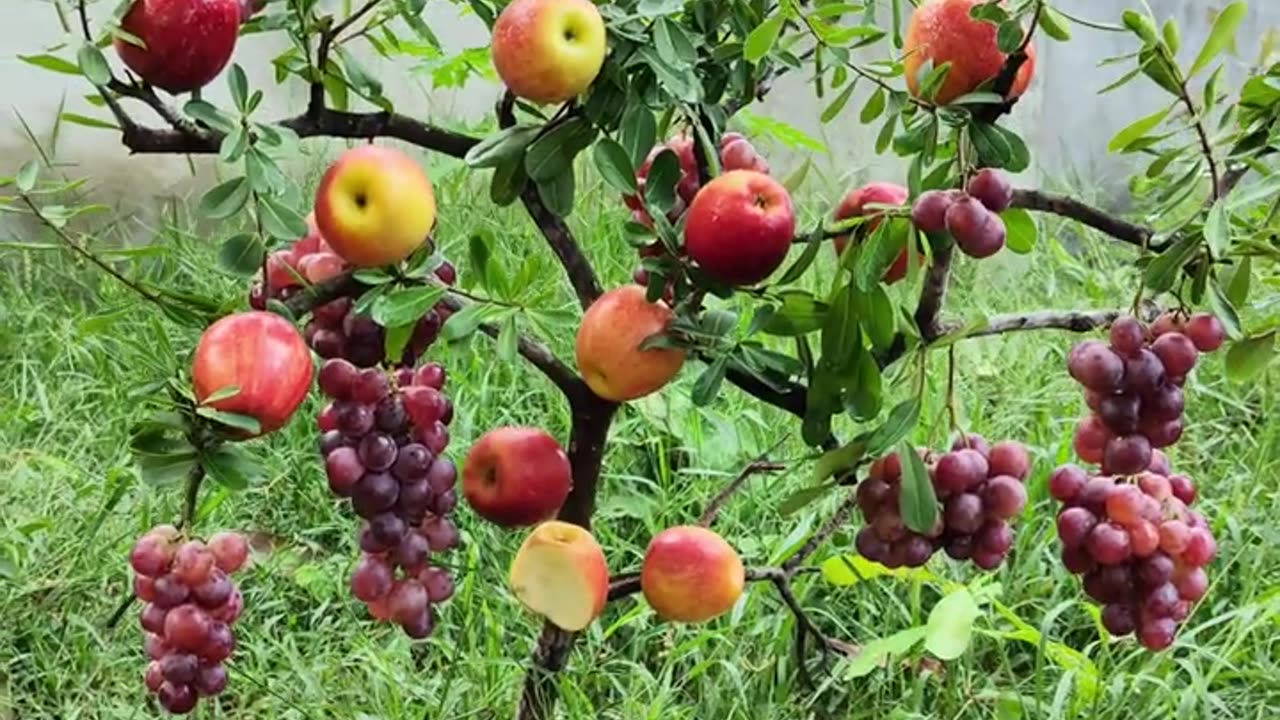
column 74, row 346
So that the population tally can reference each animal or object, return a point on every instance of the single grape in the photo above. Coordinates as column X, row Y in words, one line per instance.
column 220, row 645
column 1176, row 352
column 1118, row 580
column 169, row 591
column 929, row 212
column 1124, row 504
column 425, row 405
column 1096, row 366
column 1144, row 538
column 1004, row 497
column 411, row 552
column 971, row 441
column 1143, row 372
column 144, row 588
column 1155, row 570
column 377, row 452
column 1108, row 543
column 407, row 602
column 154, row 677
column 230, row 551
column 1009, row 458
column 211, row 679
column 1155, row 486
column 447, row 273
column 1120, row 413
column 366, row 353
column 888, row 526
column 179, row 668
column 415, row 499
column 439, row 584
column 1095, row 494
column 330, row 314
column 371, row 385
column 431, row 375
column 229, row 611
column 421, row 626
column 355, row 419
column 960, row 470
column 444, row 503
column 1091, row 439
column 177, row 699
column 152, row 618
column 337, row 378
column 870, row 546
column 978, row 232
column 372, row 579
column 1093, row 399
column 1168, row 322
column 1118, row 618
column 986, row 560
column 344, row 470
column 1075, row 525
column 332, row 440
column 996, row 536
column 390, row 416
column 214, row 591
column 403, row 377
column 1163, row 404
column 960, row 547
column 1161, row 434
column 1127, row 336
column 873, row 493
column 1077, row 560
column 186, row 627
column 1174, row 536
column 1066, row 482
column 1183, row 488
column 442, row 475
column 435, row 437
column 192, row 563
column 915, row 551
column 412, row 462
column 387, row 528
column 1206, row 331
column 1201, row 547
column 1160, row 600
column 375, row 493
column 1181, row 611
column 964, row 513
column 151, row 555
column 1099, row 590
column 369, row 543
column 329, row 344
column 991, row 188
column 440, row 533
column 1159, row 463
column 1126, row 455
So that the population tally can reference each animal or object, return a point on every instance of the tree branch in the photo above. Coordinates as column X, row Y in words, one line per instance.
column 576, row 266
column 1068, row 207
column 1070, row 320
column 934, row 293
column 1008, row 74
column 717, row 504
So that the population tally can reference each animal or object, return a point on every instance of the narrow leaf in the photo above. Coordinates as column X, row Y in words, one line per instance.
column 919, row 502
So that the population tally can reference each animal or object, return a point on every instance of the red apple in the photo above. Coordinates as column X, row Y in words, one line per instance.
column 263, row 355
column 855, row 205
column 690, row 574
column 740, row 227
column 282, row 269
column 608, row 345
column 560, row 573
column 516, row 476
column 321, row 266
column 186, row 43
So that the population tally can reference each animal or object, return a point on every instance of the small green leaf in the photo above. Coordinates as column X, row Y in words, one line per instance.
column 210, row 115
column 161, row 470
column 919, row 502
column 841, row 332
column 509, row 180
column 638, row 134
column 813, row 246
column 239, row 84
column 229, row 419
column 1009, row 36
column 802, row 498
column 835, row 106
column 881, row 651
column 466, row 321
column 1221, row 36
column 231, row 467
column 87, row 121
column 1217, row 229
column 707, row 386
column 551, row 155
column 1141, row 25
column 1172, row 38
column 405, row 306
column 52, row 62
column 614, row 165
column 1054, row 24
column 1238, row 285
column 501, row 146
column 878, row 252
column 761, row 40
column 1021, row 230
column 508, row 339
column 1136, row 129
column 225, row 200
column 1247, row 358
column 901, row 421
column 557, row 193
column 478, row 251
column 660, row 184
column 94, row 65
column 873, row 108
column 1162, row 271
column 800, row 313
column 279, row 220
column 1225, row 311
column 27, row 175
column 950, row 626
column 878, row 316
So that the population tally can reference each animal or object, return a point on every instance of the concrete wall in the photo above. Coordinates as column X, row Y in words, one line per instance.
column 1065, row 123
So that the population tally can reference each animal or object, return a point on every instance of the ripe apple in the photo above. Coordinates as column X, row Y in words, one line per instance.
column 942, row 31
column 516, row 476
column 312, row 241
column 740, row 227
column 263, row 355
column 375, row 206
column 548, row 51
column 560, row 573
column 690, row 574
column 186, row 43
column 855, row 205
column 321, row 266
column 608, row 345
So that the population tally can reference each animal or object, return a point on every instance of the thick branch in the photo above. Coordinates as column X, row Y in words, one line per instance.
column 1070, row 320
column 1118, row 228
column 934, row 293
column 1008, row 74
column 576, row 266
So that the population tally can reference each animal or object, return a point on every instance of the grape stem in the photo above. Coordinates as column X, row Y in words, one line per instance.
column 191, row 497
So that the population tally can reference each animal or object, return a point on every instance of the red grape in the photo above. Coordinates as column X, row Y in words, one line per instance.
column 971, row 441
column 1206, row 331
column 992, row 189
column 1183, row 488
column 230, row 551
column 1160, row 601
column 1155, row 570
column 1004, row 497
column 439, row 584
column 1127, row 336
column 1118, row 618
column 1108, row 543
column 355, row 419
column 1009, row 458
column 1075, row 525
column 408, row 601
column 1096, row 366
column 179, row 668
column 344, row 470
column 1176, row 352
column 377, row 452
column 431, row 375
column 996, row 536
column 211, row 679
column 337, row 378
column 152, row 618
column 151, row 555
column 1143, row 372
column 154, row 677
column 1201, row 547
column 929, row 213
column 372, row 579
column 1066, row 482
column 213, row 592
column 1120, row 413
column 186, row 627
column 440, row 533
column 374, row 494
column 1091, row 439
column 960, row 470
column 229, row 611
column 1159, row 463
column 177, row 699
column 1144, row 539
column 220, row 644
column 168, row 591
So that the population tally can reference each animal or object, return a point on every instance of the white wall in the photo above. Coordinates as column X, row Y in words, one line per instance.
column 1065, row 123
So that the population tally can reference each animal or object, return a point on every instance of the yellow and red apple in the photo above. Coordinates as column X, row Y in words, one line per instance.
column 608, row 345
column 740, row 227
column 375, row 206
column 184, row 44
column 690, row 574
column 560, row 573
column 548, row 51
column 943, row 31
column 516, row 476
column 856, row 203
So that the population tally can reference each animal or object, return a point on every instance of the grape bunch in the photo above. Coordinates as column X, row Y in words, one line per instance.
column 971, row 216
column 1133, row 386
column 191, row 604
column 383, row 443
column 979, row 489
column 1139, row 547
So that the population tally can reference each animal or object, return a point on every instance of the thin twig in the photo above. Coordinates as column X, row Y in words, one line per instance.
column 757, row 466
column 1206, row 147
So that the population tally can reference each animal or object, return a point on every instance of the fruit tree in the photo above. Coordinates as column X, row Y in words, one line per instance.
column 349, row 292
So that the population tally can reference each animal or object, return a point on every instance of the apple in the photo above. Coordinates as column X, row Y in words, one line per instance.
column 516, row 476
column 375, row 206
column 560, row 573
column 690, row 574
column 548, row 51
column 313, row 241
column 943, row 31
column 740, row 227
column 855, row 205
column 608, row 345
column 185, row 43
column 263, row 355
column 321, row 266
column 283, row 269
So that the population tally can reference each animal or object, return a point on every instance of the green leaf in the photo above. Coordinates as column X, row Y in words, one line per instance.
column 614, row 165
column 52, row 62
column 508, row 339
column 799, row 313
column 864, row 396
column 1162, row 271
column 279, row 220
column 231, row 467
column 225, row 200
column 1141, row 25
column 161, row 470
column 795, row 178
column 210, row 115
column 481, row 257
column 231, row 420
column 673, row 43
column 405, row 306
column 509, row 180
column 802, row 498
column 88, row 121
column 660, row 184
column 552, row 155
column 1238, row 286
column 465, row 322
column 1247, row 358
column 901, row 421
column 878, row 316
column 222, row 394
column 27, row 176
column 1054, row 24
column 1009, row 36
column 761, row 40
column 919, row 503
column 501, row 146
column 1021, row 230
column 361, row 80
column 1217, row 229
column 879, row 251
column 707, row 386
column 1172, row 38
column 812, row 247
column 557, row 193
column 239, row 84
column 881, row 651
column 1225, row 311
column 242, row 254
column 950, row 626
column 638, row 134
column 265, row 176
column 841, row 333
column 1221, row 36
column 94, row 65
column 1136, row 130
